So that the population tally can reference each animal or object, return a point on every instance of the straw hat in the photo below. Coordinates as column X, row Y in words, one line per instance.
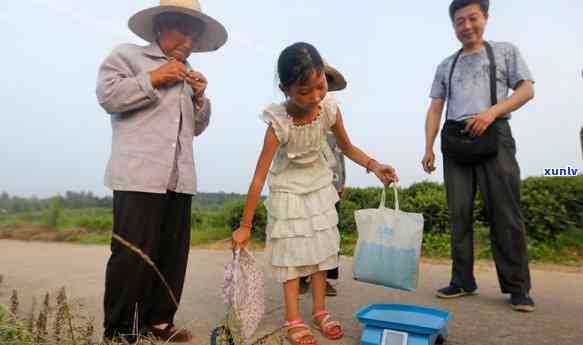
column 213, row 37
column 335, row 79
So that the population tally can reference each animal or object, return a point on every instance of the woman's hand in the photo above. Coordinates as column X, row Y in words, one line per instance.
column 241, row 237
column 385, row 173
column 170, row 73
column 197, row 82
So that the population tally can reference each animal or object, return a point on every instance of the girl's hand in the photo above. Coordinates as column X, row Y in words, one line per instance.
column 385, row 173
column 241, row 237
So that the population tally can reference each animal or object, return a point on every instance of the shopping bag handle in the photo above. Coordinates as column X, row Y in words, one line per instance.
column 237, row 252
column 384, row 197
column 236, row 259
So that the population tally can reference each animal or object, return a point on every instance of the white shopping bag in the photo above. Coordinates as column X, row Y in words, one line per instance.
column 388, row 247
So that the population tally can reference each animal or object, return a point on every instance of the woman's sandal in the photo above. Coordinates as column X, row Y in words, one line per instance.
column 298, row 333
column 327, row 326
column 170, row 333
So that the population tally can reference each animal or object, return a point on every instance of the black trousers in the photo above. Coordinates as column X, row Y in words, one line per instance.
column 159, row 225
column 499, row 183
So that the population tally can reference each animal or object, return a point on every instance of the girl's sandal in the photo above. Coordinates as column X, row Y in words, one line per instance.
column 298, row 333
column 330, row 328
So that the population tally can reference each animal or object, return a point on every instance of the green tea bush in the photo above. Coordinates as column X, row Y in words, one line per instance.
column 197, row 218
column 94, row 222
column 552, row 205
column 427, row 198
column 234, row 212
column 346, row 222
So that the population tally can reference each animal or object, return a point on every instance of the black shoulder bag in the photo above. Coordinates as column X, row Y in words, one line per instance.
column 462, row 146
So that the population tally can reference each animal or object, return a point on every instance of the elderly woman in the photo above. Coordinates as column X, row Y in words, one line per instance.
column 157, row 105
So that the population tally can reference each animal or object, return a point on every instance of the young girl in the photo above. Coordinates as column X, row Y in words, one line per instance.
column 302, row 233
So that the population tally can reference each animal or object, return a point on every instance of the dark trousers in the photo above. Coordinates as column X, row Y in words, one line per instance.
column 499, row 183
column 159, row 225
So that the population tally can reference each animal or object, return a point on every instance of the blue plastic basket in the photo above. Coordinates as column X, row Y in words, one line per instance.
column 424, row 325
column 408, row 318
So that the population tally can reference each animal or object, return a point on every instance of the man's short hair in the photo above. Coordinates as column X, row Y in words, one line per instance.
column 459, row 4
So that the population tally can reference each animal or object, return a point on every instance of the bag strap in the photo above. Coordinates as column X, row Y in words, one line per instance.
column 493, row 91
column 457, row 56
column 493, row 88
column 384, row 198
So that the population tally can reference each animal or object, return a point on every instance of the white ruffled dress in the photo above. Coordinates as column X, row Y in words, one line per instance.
column 302, row 227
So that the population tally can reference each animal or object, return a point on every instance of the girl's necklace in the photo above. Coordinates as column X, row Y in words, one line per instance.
column 305, row 119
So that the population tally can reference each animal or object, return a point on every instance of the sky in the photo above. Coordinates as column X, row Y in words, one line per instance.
column 55, row 137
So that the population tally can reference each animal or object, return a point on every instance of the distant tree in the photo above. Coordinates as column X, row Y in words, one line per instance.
column 53, row 214
column 71, row 199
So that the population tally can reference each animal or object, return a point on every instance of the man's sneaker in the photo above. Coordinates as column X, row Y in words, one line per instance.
column 522, row 302
column 330, row 290
column 453, row 291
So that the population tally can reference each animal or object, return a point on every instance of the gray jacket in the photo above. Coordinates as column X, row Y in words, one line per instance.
column 152, row 128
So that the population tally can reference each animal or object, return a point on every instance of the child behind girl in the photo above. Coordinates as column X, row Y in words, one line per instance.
column 302, row 233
